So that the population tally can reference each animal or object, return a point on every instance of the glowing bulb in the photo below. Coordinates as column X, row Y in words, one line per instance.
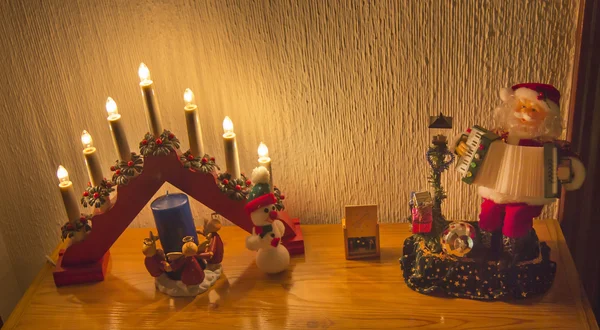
column 62, row 174
column 263, row 151
column 111, row 107
column 144, row 72
column 188, row 96
column 227, row 125
column 86, row 139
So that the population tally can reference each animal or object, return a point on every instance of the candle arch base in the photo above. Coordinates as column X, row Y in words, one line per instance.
column 86, row 261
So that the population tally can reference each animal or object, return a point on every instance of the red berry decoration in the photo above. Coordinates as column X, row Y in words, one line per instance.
column 83, row 219
column 481, row 147
column 204, row 160
column 86, row 194
column 144, row 142
column 225, row 181
column 248, row 182
column 238, row 187
column 112, row 168
column 130, row 163
column 89, row 184
column 109, row 184
column 190, row 157
column 282, row 196
column 96, row 195
column 117, row 172
column 171, row 136
column 70, row 226
column 158, row 141
column 212, row 159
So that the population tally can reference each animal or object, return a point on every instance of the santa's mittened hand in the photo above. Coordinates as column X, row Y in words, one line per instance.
column 275, row 242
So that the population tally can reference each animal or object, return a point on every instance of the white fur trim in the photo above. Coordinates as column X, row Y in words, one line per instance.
column 260, row 175
column 505, row 94
column 578, row 175
column 501, row 198
column 532, row 95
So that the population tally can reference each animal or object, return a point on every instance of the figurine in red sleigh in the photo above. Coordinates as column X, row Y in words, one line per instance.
column 183, row 273
column 520, row 165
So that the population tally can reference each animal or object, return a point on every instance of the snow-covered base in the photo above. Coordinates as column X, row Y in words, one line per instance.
column 177, row 289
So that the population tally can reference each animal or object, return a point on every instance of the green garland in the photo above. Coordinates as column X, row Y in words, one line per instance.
column 236, row 189
column 280, row 197
column 161, row 146
column 97, row 195
column 125, row 170
column 69, row 229
column 206, row 164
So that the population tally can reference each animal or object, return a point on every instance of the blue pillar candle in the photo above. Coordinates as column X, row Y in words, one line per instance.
column 173, row 218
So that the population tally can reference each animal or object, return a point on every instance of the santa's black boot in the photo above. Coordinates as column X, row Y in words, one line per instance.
column 491, row 244
column 513, row 250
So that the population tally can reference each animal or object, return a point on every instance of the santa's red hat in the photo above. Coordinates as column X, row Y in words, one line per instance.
column 545, row 95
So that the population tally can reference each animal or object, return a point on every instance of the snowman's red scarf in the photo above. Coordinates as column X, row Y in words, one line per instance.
column 263, row 230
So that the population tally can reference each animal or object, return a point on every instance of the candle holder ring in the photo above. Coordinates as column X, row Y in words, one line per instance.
column 126, row 170
column 235, row 188
column 97, row 196
column 204, row 164
column 159, row 146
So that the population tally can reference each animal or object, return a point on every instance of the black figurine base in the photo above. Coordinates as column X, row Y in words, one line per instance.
column 481, row 275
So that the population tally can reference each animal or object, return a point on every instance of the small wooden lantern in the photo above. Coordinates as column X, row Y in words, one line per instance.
column 361, row 232
column 437, row 126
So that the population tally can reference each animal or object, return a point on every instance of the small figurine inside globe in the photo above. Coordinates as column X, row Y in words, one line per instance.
column 458, row 240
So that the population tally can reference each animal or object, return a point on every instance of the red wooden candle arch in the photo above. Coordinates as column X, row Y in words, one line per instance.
column 87, row 261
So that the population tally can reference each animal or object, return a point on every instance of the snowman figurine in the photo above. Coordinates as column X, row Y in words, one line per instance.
column 267, row 232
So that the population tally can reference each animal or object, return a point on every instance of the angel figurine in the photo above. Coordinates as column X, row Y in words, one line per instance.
column 213, row 245
column 155, row 260
column 190, row 262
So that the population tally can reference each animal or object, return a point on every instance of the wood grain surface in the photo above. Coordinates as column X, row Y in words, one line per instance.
column 321, row 290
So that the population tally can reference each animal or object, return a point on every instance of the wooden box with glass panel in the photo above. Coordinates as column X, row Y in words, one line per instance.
column 361, row 232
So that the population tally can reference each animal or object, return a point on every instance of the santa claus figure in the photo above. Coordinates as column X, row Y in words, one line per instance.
column 529, row 116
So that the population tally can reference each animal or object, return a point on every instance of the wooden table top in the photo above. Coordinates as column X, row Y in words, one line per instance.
column 321, row 290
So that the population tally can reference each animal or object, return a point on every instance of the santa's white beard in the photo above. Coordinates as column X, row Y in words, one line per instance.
column 527, row 131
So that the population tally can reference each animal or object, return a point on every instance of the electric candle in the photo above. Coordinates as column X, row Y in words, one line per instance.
column 231, row 153
column 68, row 194
column 152, row 110
column 193, row 125
column 117, row 130
column 91, row 159
column 265, row 160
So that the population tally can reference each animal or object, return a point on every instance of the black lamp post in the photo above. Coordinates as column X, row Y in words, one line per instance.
column 439, row 158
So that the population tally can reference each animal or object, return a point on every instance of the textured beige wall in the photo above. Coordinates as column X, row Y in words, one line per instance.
column 340, row 91
column 10, row 292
